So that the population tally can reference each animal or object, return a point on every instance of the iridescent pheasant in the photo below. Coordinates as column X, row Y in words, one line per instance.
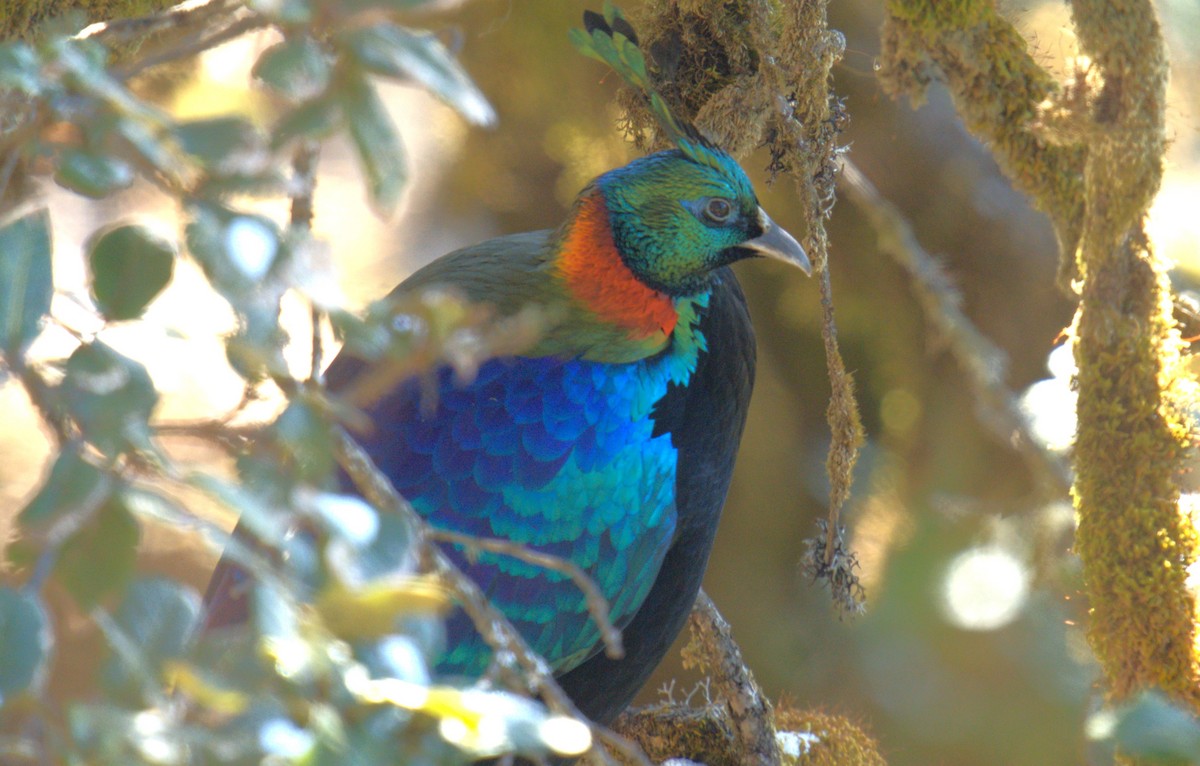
column 612, row 441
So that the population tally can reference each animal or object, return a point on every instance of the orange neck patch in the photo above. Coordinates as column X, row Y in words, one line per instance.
column 596, row 276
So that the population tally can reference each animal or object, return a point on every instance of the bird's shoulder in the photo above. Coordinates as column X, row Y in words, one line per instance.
column 507, row 272
column 524, row 272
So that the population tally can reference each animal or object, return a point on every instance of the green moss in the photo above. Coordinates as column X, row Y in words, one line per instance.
column 1090, row 155
column 21, row 18
column 1134, row 539
column 839, row 741
column 999, row 91
column 1136, row 542
column 935, row 14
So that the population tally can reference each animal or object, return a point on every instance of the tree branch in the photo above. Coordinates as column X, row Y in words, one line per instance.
column 982, row 361
column 596, row 603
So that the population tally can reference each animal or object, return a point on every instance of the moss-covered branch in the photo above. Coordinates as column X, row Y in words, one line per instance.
column 1090, row 153
column 20, row 18
column 998, row 90
column 1136, row 543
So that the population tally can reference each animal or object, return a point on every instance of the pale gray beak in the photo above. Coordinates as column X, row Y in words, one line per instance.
column 776, row 243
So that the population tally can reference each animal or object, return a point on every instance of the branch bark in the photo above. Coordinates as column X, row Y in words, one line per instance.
column 1136, row 542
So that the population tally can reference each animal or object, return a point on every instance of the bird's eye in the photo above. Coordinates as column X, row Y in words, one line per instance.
column 718, row 210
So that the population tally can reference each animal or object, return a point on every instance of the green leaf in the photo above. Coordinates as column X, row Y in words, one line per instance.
column 73, row 483
column 224, row 145
column 20, row 68
column 149, row 143
column 284, row 11
column 111, row 397
column 390, row 553
column 366, row 338
column 278, row 622
column 25, row 642
column 304, row 437
column 26, row 282
column 130, row 266
column 266, row 522
column 159, row 617
column 298, row 68
column 379, row 150
column 319, row 118
column 236, row 251
column 394, row 51
column 98, row 559
column 255, row 351
column 91, row 174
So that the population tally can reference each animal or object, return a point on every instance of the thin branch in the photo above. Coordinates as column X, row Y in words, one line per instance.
column 999, row 89
column 127, row 649
column 6, row 171
column 304, row 167
column 596, row 603
column 980, row 359
column 734, row 725
column 192, row 46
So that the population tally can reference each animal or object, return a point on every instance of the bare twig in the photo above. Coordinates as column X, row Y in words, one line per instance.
column 596, row 603
column 191, row 46
column 231, row 438
column 304, row 166
column 982, row 360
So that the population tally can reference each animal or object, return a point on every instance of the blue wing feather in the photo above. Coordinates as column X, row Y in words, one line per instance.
column 557, row 454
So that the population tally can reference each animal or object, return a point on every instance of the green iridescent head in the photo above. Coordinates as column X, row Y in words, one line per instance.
column 674, row 220
column 677, row 215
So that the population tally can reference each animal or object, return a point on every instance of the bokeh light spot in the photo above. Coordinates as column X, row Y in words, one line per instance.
column 985, row 588
column 1050, row 404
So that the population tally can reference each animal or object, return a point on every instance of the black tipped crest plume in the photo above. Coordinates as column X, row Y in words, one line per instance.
column 611, row 38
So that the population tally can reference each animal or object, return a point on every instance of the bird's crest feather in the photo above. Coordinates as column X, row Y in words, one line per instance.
column 610, row 38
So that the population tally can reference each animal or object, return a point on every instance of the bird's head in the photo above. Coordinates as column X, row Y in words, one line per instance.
column 677, row 215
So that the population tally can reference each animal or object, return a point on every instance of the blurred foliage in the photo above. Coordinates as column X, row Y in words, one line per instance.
column 335, row 663
column 934, row 481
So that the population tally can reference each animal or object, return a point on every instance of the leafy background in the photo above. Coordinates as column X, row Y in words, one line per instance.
column 935, row 483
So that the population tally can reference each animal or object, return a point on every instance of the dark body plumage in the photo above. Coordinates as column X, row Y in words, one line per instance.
column 705, row 420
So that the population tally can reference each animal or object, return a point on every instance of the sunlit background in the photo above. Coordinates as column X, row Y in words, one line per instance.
column 972, row 648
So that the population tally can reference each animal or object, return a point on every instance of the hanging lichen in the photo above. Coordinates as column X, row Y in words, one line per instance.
column 754, row 74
